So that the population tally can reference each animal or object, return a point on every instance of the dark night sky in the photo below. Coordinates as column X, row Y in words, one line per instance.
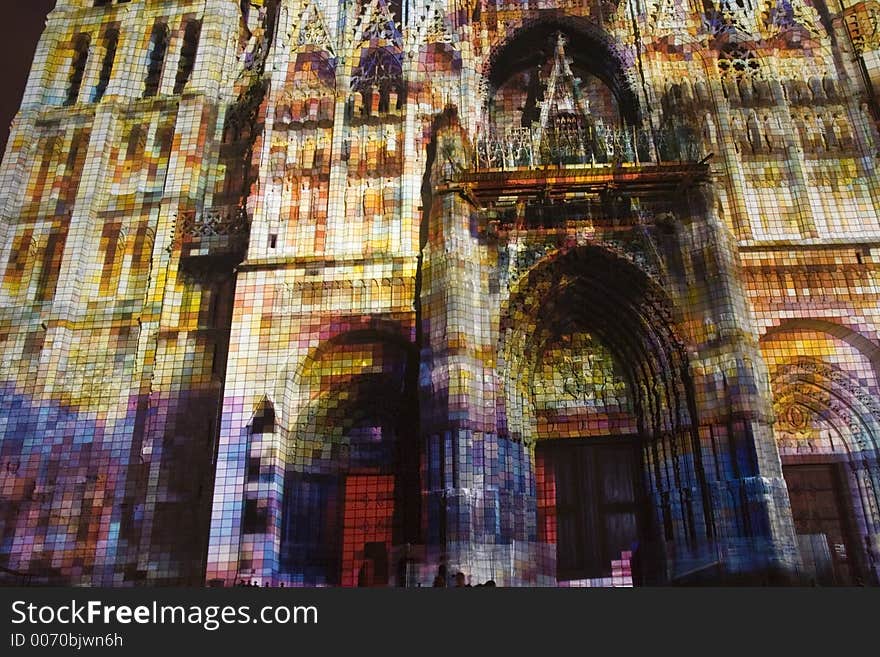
column 23, row 22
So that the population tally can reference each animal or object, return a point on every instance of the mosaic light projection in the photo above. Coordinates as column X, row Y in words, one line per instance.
column 369, row 293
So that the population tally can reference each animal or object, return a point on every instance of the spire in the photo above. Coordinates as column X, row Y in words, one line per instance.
column 562, row 95
column 565, row 113
column 313, row 29
column 377, row 26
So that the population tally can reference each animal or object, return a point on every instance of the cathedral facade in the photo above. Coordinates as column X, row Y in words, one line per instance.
column 373, row 292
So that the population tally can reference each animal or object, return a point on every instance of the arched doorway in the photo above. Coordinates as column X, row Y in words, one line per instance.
column 505, row 193
column 351, row 495
column 598, row 382
column 827, row 428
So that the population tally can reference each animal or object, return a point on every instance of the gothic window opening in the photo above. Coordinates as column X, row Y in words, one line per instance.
column 74, row 164
column 379, row 81
column 256, row 517
column 77, row 68
column 135, row 147
column 264, row 418
column 111, row 43
column 156, row 58
column 14, row 278
column 111, row 245
column 188, row 52
column 141, row 252
column 51, row 265
column 271, row 21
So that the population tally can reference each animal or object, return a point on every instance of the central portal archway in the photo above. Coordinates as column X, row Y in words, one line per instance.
column 597, row 380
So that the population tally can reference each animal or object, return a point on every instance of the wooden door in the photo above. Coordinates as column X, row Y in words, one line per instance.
column 367, row 530
column 589, row 504
column 820, row 504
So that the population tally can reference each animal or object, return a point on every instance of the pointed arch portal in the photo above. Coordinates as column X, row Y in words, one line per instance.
column 618, row 465
column 828, row 428
column 351, row 492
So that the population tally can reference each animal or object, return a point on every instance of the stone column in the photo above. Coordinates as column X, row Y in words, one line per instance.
column 478, row 487
column 750, row 512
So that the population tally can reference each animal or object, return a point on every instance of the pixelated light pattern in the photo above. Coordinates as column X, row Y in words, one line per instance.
column 384, row 292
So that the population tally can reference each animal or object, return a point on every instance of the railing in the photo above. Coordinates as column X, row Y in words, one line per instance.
column 216, row 233
column 229, row 221
column 576, row 144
